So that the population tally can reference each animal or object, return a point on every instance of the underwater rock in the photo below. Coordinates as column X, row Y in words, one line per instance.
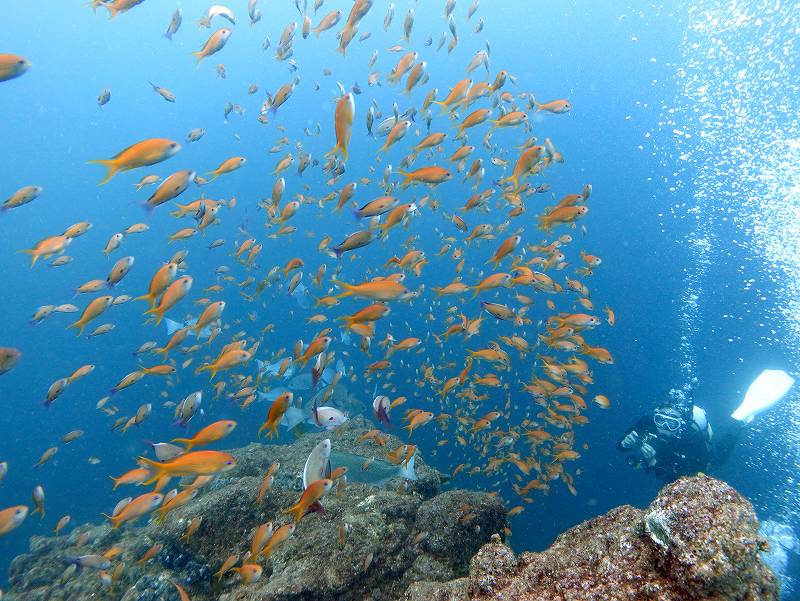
column 697, row 540
column 395, row 533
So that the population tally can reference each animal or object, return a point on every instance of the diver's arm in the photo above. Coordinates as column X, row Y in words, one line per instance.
column 634, row 434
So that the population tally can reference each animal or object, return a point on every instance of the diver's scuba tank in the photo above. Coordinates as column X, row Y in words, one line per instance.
column 766, row 390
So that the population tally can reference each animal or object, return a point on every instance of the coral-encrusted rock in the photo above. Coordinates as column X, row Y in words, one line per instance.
column 371, row 541
column 697, row 540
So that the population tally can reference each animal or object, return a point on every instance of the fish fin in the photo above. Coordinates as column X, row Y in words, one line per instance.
column 111, row 167
column 113, row 519
column 185, row 441
column 78, row 325
column 407, row 471
column 156, row 469
column 334, row 150
column 199, row 56
column 210, row 367
column 297, row 511
column 32, row 253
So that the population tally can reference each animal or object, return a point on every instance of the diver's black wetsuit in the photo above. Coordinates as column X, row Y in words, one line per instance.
column 687, row 453
column 684, row 453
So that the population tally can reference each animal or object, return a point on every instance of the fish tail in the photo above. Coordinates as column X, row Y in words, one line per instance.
column 148, row 297
column 544, row 223
column 347, row 288
column 111, row 166
column 156, row 469
column 199, row 56
column 32, row 253
column 112, row 11
column 77, row 325
column 210, row 367
column 408, row 178
column 334, row 150
column 156, row 311
column 185, row 441
column 297, row 511
column 113, row 519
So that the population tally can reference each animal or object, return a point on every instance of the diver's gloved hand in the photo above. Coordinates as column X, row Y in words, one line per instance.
column 630, row 439
column 648, row 453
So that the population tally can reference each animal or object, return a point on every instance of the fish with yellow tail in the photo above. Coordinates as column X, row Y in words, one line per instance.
column 318, row 345
column 312, row 494
column 524, row 165
column 44, row 249
column 343, row 124
column 162, row 278
column 495, row 280
column 116, row 7
column 214, row 44
column 140, row 506
column 228, row 165
column 561, row 216
column 211, row 433
column 433, row 176
column 280, row 535
column 508, row 246
column 227, row 360
column 196, row 463
column 380, row 290
column 142, row 154
column 93, row 310
column 275, row 414
column 172, row 295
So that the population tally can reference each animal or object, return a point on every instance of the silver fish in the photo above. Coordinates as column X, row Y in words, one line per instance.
column 174, row 24
column 104, row 97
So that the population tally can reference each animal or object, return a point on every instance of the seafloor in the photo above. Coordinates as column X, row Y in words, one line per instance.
column 408, row 540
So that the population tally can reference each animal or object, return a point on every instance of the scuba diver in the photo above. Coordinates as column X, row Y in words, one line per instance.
column 676, row 439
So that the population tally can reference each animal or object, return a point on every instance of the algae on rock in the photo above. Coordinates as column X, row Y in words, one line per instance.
column 393, row 537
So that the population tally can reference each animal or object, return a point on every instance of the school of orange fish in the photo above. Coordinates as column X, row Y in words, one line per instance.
column 506, row 255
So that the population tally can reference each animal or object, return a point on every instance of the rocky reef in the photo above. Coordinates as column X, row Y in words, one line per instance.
column 392, row 539
column 369, row 542
column 697, row 540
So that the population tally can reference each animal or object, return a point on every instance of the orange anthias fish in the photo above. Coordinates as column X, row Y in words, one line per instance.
column 159, row 282
column 315, row 491
column 141, row 154
column 343, row 124
column 432, row 175
column 380, row 290
column 211, row 433
column 172, row 295
column 140, row 506
column 196, row 463
column 276, row 412
column 213, row 44
column 11, row 518
column 227, row 360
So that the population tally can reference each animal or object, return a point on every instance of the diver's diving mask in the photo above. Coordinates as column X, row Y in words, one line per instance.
column 666, row 422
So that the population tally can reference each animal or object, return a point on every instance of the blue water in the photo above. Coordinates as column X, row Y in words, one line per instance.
column 624, row 70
